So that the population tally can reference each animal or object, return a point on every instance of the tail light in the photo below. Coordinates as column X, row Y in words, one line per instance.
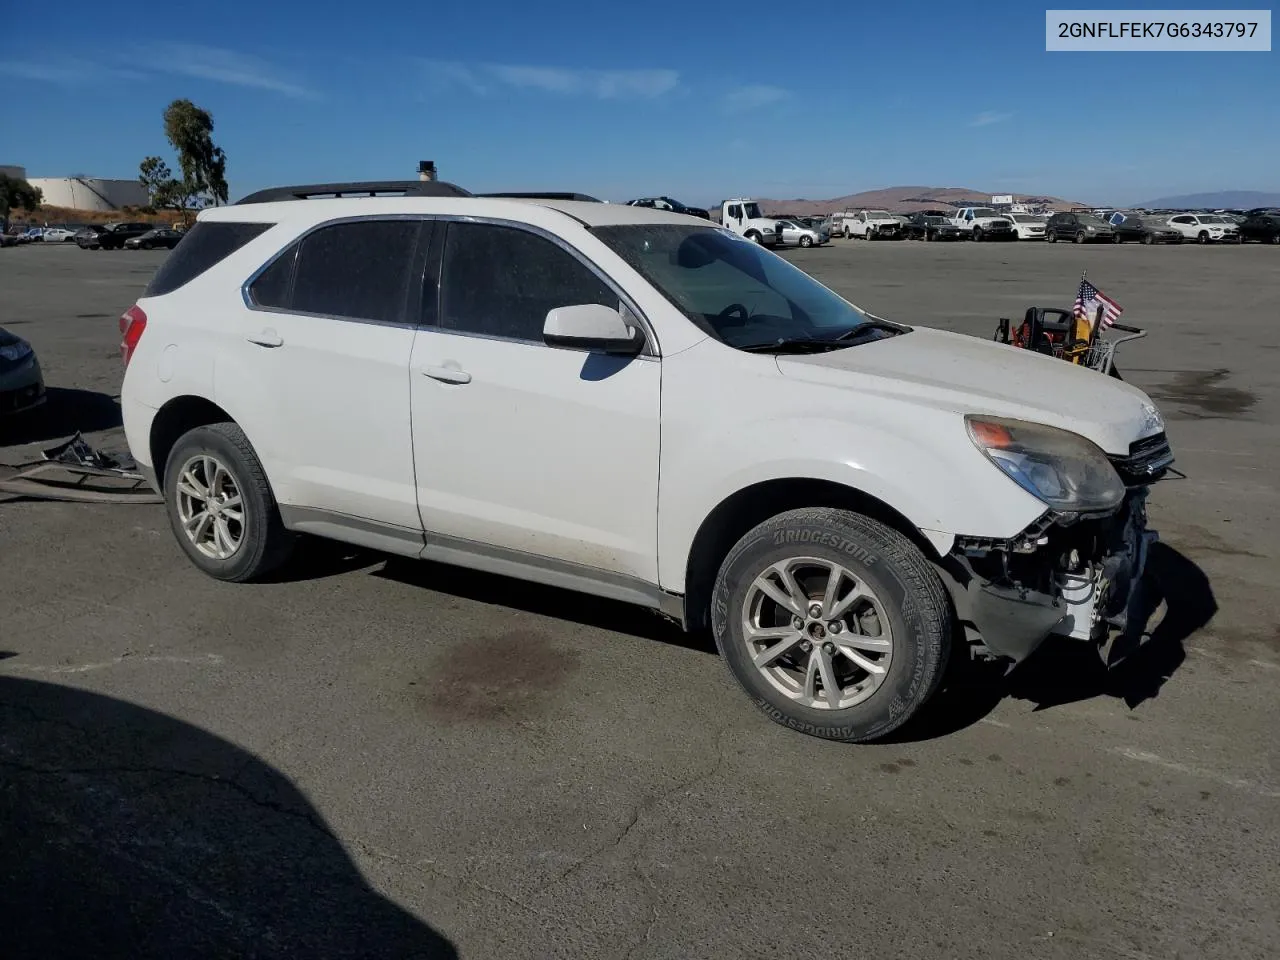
column 132, row 323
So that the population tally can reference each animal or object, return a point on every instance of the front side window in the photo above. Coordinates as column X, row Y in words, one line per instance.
column 502, row 281
column 358, row 270
column 732, row 289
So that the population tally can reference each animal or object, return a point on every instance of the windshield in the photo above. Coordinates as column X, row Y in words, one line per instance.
column 1212, row 220
column 735, row 290
column 752, row 210
column 1022, row 218
column 879, row 215
column 985, row 212
column 1093, row 221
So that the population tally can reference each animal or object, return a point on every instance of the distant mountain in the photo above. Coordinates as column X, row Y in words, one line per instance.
column 1221, row 200
column 900, row 200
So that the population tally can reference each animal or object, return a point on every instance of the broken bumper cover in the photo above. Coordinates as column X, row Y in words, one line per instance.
column 1012, row 596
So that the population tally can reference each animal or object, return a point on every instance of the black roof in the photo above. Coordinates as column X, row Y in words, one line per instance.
column 369, row 188
column 403, row 188
column 551, row 195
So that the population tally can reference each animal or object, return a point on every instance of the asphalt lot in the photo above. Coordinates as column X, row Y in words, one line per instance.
column 390, row 759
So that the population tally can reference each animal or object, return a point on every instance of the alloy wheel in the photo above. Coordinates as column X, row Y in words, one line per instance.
column 210, row 507
column 817, row 633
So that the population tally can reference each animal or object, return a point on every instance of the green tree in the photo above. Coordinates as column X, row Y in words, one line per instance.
column 155, row 175
column 204, row 165
column 17, row 193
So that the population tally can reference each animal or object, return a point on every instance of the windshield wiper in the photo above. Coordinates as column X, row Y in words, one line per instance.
column 868, row 325
column 793, row 345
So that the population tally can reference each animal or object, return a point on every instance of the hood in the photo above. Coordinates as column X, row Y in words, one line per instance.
column 964, row 374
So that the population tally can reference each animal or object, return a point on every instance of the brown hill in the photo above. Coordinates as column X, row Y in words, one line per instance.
column 901, row 200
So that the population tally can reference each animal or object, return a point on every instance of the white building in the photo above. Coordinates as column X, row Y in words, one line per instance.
column 90, row 193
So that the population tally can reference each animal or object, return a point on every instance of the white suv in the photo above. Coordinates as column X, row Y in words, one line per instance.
column 628, row 403
column 1206, row 227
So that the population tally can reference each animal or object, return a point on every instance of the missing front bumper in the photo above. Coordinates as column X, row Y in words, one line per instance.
column 1010, row 596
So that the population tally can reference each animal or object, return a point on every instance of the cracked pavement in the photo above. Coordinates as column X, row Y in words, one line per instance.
column 394, row 759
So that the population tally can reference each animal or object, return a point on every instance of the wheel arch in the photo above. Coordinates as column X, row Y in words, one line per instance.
column 742, row 510
column 173, row 419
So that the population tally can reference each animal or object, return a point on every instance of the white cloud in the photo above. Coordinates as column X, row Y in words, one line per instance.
column 65, row 72
column 988, row 117
column 481, row 78
column 223, row 66
column 753, row 96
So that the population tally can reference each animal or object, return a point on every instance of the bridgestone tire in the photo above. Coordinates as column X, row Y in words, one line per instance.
column 913, row 598
column 265, row 544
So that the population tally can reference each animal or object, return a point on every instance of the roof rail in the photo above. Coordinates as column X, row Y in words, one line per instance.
column 370, row 188
column 543, row 196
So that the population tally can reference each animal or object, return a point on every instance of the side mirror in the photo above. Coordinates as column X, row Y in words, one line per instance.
column 594, row 327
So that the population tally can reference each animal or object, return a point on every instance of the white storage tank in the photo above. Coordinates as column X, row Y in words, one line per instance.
column 18, row 173
column 90, row 193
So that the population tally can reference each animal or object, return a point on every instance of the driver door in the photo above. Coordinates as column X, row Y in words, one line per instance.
column 524, row 452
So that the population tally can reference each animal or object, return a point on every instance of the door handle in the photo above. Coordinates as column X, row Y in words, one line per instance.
column 449, row 372
column 267, row 338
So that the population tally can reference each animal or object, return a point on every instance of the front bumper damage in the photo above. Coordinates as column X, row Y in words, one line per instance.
column 1075, row 577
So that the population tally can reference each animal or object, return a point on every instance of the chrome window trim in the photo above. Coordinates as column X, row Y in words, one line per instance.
column 652, row 348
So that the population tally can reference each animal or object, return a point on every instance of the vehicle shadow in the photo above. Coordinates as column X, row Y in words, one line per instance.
column 1066, row 671
column 545, row 601
column 128, row 833
column 65, row 411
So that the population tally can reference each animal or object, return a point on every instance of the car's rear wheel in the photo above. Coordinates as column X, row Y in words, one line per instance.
column 1275, row 238
column 834, row 624
column 221, row 507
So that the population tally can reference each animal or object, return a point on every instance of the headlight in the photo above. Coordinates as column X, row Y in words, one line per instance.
column 1066, row 471
column 1091, row 229
column 15, row 351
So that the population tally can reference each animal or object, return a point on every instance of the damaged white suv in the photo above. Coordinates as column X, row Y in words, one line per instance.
column 640, row 405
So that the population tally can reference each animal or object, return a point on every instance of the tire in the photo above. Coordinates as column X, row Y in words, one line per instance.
column 1050, row 236
column 905, row 589
column 806, row 242
column 1080, row 237
column 263, row 543
column 754, row 237
column 1148, row 239
column 977, row 234
column 928, row 236
column 1275, row 238
column 1203, row 237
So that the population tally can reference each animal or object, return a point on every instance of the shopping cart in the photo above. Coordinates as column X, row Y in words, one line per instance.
column 1059, row 333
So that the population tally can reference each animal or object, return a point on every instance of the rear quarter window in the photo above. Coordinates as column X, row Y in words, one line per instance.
column 206, row 244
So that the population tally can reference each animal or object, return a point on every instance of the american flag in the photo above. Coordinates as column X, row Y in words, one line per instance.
column 1089, row 298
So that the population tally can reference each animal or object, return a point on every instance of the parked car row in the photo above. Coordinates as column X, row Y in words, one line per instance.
column 137, row 235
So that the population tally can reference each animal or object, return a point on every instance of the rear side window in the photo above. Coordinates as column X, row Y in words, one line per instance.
column 207, row 243
column 356, row 270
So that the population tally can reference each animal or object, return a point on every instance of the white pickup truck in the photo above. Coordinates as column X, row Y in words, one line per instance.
column 868, row 224
column 743, row 217
column 983, row 223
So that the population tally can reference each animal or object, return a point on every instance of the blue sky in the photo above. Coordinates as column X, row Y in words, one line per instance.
column 813, row 99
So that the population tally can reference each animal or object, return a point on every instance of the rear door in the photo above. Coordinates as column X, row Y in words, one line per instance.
column 326, row 341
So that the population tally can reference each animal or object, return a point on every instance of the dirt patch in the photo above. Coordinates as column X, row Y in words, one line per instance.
column 512, row 677
column 1195, row 539
column 1202, row 396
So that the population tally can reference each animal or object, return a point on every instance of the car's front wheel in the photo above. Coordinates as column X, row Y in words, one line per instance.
column 221, row 507
column 806, row 241
column 834, row 624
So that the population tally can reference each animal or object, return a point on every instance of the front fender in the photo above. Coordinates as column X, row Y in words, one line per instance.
column 942, row 489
